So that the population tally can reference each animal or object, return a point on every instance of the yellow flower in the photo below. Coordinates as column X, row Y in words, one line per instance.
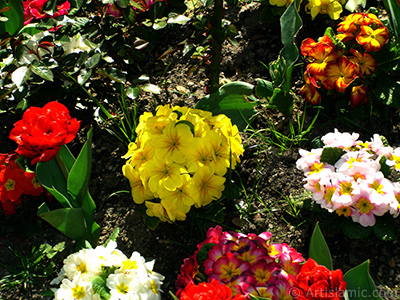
column 221, row 157
column 139, row 192
column 159, row 173
column 331, row 7
column 206, row 187
column 156, row 210
column 177, row 203
column 140, row 156
column 131, row 149
column 199, row 154
column 173, row 143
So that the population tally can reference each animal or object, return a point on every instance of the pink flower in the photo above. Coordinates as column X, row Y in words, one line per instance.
column 340, row 140
column 113, row 10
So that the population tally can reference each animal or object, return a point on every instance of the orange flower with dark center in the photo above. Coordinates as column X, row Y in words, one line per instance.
column 365, row 63
column 321, row 55
column 339, row 75
column 372, row 40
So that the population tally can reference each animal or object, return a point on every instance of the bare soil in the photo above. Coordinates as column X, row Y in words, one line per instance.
column 268, row 172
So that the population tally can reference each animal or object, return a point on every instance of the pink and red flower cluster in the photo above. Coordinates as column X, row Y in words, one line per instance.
column 247, row 264
column 332, row 66
column 33, row 9
column 354, row 186
column 14, row 182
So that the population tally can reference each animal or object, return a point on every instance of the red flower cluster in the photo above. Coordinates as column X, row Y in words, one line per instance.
column 332, row 67
column 209, row 291
column 42, row 131
column 33, row 9
column 317, row 282
column 14, row 182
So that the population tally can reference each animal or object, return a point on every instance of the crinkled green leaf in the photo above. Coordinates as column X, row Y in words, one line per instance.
column 331, row 155
column 15, row 16
column 42, row 70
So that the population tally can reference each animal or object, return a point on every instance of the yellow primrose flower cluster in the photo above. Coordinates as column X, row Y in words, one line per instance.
column 179, row 159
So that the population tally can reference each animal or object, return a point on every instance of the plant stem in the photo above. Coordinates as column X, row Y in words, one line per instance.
column 216, row 47
column 62, row 166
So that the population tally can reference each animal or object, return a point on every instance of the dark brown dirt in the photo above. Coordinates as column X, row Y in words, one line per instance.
column 264, row 171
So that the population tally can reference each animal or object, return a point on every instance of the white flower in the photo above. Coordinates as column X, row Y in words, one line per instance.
column 76, row 44
column 77, row 289
column 82, row 264
column 107, row 256
column 341, row 140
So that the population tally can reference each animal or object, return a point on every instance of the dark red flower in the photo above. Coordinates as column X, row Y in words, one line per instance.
column 42, row 131
column 209, row 291
column 189, row 270
column 14, row 182
column 33, row 9
column 317, row 282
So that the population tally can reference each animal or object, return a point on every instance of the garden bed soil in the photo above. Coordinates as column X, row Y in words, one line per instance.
column 267, row 172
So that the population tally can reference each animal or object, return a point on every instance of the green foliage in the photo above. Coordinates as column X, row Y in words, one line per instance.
column 393, row 9
column 281, row 70
column 331, row 155
column 67, row 178
column 360, row 284
column 358, row 280
column 319, row 250
column 11, row 16
column 232, row 100
column 31, row 268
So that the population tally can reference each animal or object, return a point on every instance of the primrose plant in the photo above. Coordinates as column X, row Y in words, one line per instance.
column 348, row 64
column 179, row 160
column 349, row 177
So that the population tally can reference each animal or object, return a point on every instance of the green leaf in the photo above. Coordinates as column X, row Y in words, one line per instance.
column 360, row 285
column 355, row 230
column 122, row 3
column 93, row 61
column 282, row 101
column 75, row 223
column 264, row 88
column 20, row 75
column 202, row 255
column 84, row 76
column 331, row 155
column 385, row 228
column 319, row 250
column 387, row 89
column 51, row 177
column 151, row 222
column 113, row 237
column 132, row 92
column 151, row 88
column 385, row 169
column 15, row 16
column 231, row 100
column 100, row 287
column 191, row 126
column 78, row 178
column 114, row 74
column 42, row 70
column 393, row 9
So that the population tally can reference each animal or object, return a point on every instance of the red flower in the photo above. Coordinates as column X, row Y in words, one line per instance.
column 209, row 291
column 33, row 9
column 14, row 182
column 189, row 270
column 317, row 282
column 42, row 131
column 359, row 95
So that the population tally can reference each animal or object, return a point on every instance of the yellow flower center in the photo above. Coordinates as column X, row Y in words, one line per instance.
column 364, row 206
column 78, row 292
column 81, row 267
column 122, row 288
column 9, row 185
column 345, row 188
column 129, row 264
